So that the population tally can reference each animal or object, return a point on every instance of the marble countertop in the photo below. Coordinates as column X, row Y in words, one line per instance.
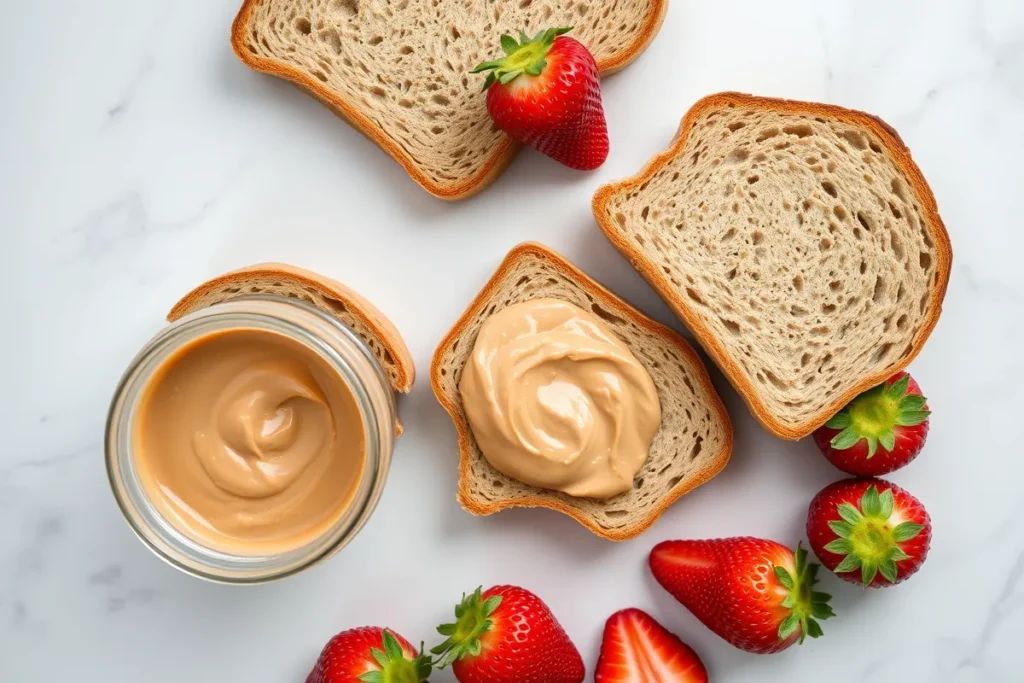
column 140, row 157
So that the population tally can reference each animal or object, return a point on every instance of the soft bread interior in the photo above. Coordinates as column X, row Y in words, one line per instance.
column 402, row 66
column 692, row 445
column 331, row 297
column 802, row 248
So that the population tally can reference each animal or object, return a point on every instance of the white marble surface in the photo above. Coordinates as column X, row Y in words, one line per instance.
column 138, row 156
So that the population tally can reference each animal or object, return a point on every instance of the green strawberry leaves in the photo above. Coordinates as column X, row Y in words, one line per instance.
column 472, row 620
column 805, row 604
column 525, row 56
column 865, row 538
column 874, row 415
column 394, row 667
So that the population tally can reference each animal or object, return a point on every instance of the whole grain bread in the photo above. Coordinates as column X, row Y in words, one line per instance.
column 798, row 241
column 329, row 296
column 398, row 70
column 692, row 445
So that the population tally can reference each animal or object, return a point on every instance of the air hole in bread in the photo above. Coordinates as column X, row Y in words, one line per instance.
column 925, row 259
column 645, row 212
column 857, row 139
column 798, row 311
column 767, row 134
column 736, row 125
column 819, row 331
column 738, row 155
column 835, row 285
column 828, row 309
column 867, row 221
column 731, row 325
column 879, row 289
column 824, row 245
column 673, row 481
column 896, row 213
column 798, row 282
column 801, row 131
column 882, row 352
column 346, row 7
column 692, row 293
column 335, row 305
column 840, row 212
column 303, row 26
column 379, row 91
column 830, row 187
column 874, row 147
column 606, row 315
column 757, row 237
column 753, row 179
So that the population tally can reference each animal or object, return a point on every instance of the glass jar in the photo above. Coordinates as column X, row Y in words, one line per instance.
column 331, row 340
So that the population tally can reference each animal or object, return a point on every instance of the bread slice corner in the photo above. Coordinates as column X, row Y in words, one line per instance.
column 799, row 242
column 692, row 445
column 398, row 70
column 330, row 296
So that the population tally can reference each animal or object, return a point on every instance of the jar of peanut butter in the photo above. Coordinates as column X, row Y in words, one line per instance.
column 251, row 438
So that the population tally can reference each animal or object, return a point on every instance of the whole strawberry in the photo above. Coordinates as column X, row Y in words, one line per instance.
column 545, row 92
column 637, row 649
column 756, row 594
column 508, row 635
column 369, row 655
column 869, row 531
column 893, row 415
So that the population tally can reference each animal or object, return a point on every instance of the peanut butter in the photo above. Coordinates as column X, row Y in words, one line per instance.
column 249, row 442
column 557, row 401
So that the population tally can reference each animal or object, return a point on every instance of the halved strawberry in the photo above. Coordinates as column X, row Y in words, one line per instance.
column 869, row 531
column 637, row 649
column 893, row 415
column 545, row 92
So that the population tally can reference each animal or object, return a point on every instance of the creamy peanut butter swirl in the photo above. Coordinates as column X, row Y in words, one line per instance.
column 248, row 441
column 557, row 401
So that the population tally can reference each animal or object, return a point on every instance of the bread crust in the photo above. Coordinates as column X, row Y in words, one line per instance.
column 500, row 157
column 367, row 313
column 900, row 153
column 451, row 402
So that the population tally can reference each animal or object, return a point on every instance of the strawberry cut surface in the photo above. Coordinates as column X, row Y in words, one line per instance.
column 637, row 649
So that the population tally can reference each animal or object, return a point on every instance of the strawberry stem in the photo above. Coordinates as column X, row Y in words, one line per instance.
column 875, row 415
column 526, row 56
column 394, row 666
column 867, row 541
column 805, row 604
column 472, row 621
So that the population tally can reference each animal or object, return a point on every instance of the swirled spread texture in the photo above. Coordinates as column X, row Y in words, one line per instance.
column 249, row 441
column 557, row 401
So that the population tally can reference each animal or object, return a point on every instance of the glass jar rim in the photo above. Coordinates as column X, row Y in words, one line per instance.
column 334, row 342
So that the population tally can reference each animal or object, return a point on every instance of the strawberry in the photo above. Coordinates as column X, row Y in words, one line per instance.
column 869, row 531
column 894, row 415
column 637, row 649
column 545, row 93
column 508, row 635
column 369, row 655
column 755, row 594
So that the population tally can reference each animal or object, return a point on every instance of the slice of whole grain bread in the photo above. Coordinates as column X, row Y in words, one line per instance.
column 799, row 242
column 692, row 445
column 398, row 70
column 330, row 296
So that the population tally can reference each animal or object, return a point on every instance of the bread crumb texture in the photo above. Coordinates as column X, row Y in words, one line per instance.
column 798, row 243
column 402, row 66
column 691, row 446
column 280, row 284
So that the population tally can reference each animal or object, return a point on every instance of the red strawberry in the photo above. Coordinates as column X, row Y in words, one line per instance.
column 369, row 655
column 545, row 92
column 508, row 635
column 755, row 594
column 894, row 415
column 869, row 531
column 637, row 649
